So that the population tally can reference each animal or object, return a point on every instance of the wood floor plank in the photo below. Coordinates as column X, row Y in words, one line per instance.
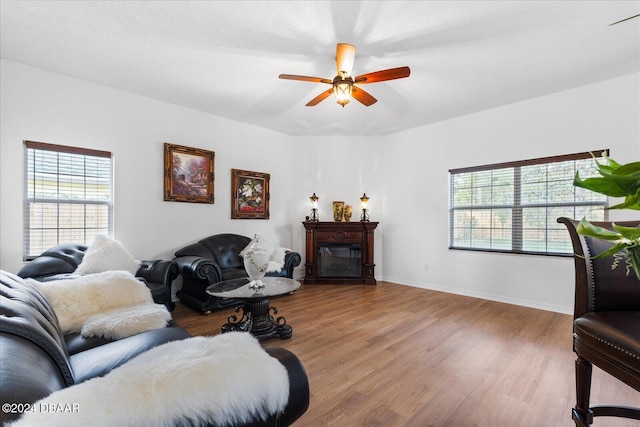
column 398, row 356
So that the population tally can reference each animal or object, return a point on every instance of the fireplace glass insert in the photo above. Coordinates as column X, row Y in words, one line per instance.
column 339, row 260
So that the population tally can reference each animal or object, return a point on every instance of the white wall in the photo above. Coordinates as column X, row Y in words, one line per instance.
column 339, row 169
column 47, row 107
column 405, row 174
column 603, row 115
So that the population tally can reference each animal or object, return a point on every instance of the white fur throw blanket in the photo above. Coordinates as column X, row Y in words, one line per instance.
column 226, row 379
column 113, row 304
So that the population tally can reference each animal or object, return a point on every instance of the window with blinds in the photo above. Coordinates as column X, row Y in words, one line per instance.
column 513, row 207
column 68, row 196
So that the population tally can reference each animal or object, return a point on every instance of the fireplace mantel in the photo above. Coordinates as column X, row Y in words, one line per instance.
column 339, row 252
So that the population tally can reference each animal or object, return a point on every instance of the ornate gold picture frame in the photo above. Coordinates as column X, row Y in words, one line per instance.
column 249, row 194
column 188, row 174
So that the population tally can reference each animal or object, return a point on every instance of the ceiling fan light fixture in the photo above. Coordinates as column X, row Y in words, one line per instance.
column 342, row 84
column 342, row 89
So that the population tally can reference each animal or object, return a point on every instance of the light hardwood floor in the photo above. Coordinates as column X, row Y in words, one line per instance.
column 395, row 356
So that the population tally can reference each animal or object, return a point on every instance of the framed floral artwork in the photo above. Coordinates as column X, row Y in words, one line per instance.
column 188, row 174
column 249, row 195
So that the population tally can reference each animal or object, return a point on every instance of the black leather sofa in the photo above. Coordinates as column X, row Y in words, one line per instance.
column 214, row 259
column 59, row 262
column 36, row 359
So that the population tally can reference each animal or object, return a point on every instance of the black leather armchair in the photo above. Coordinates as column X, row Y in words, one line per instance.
column 59, row 262
column 212, row 260
column 606, row 326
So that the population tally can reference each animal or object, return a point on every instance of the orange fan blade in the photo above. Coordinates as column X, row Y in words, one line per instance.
column 363, row 96
column 345, row 54
column 381, row 76
column 305, row 78
column 319, row 98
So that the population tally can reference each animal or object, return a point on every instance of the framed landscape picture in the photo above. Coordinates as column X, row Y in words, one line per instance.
column 188, row 174
column 249, row 195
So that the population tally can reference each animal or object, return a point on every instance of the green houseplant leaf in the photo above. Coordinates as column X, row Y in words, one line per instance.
column 616, row 180
column 587, row 229
column 631, row 233
column 604, row 186
column 630, row 202
column 628, row 182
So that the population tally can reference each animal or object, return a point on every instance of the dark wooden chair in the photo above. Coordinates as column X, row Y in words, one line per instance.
column 606, row 326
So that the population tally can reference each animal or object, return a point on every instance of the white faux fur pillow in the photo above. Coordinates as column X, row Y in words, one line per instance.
column 106, row 254
column 225, row 380
column 127, row 321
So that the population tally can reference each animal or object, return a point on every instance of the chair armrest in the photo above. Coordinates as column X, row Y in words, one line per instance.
column 45, row 266
column 195, row 267
column 298, row 385
column 159, row 275
column 158, row 271
column 61, row 259
column 291, row 261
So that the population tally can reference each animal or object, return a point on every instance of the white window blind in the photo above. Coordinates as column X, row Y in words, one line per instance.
column 513, row 207
column 68, row 196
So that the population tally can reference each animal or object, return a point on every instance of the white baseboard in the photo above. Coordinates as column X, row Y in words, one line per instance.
column 483, row 295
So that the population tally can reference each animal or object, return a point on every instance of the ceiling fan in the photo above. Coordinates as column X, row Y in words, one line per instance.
column 343, row 84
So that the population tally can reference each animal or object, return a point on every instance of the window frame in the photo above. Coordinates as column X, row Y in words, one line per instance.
column 29, row 199
column 517, row 227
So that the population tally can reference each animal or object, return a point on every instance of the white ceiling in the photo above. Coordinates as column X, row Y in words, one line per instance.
column 224, row 57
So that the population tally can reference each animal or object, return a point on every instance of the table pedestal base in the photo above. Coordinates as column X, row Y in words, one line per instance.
column 257, row 319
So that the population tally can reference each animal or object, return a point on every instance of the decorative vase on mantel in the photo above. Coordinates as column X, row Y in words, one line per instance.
column 338, row 210
column 348, row 211
column 256, row 263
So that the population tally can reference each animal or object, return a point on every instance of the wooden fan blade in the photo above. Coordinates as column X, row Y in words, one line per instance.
column 319, row 98
column 363, row 96
column 383, row 75
column 625, row 19
column 345, row 54
column 305, row 78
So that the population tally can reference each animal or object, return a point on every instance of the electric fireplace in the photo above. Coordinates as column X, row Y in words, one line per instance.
column 339, row 252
